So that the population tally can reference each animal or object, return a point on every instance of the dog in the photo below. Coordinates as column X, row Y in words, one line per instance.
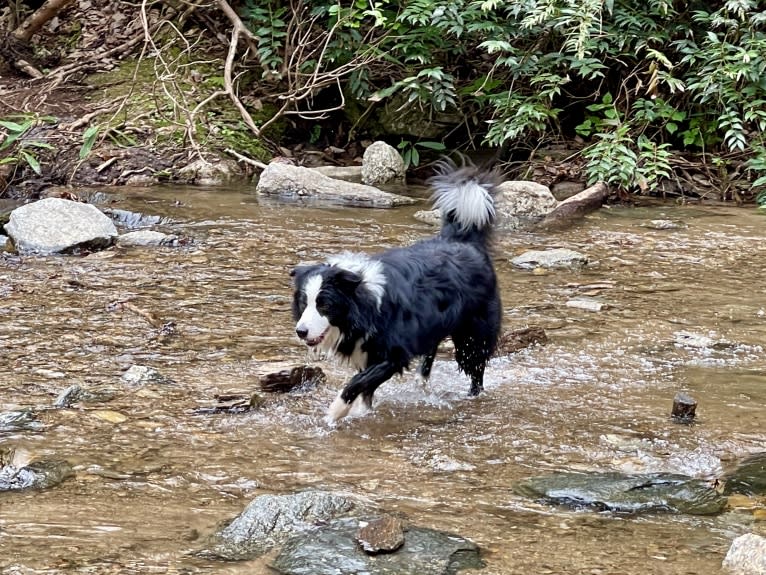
column 379, row 312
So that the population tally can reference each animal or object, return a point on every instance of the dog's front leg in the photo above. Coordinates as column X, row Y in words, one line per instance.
column 362, row 384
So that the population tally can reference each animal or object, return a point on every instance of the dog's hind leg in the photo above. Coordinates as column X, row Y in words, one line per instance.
column 363, row 383
column 424, row 371
column 475, row 343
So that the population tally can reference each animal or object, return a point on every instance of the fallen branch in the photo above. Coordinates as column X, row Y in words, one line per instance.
column 39, row 18
column 577, row 206
column 241, row 158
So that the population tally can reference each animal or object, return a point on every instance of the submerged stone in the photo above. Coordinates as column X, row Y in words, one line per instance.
column 146, row 238
column 36, row 475
column 333, row 549
column 270, row 519
column 749, row 478
column 623, row 493
column 553, row 258
column 19, row 421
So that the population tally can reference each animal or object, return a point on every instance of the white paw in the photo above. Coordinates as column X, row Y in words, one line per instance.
column 338, row 409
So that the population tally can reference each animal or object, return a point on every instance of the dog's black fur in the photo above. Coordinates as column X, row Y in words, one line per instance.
column 379, row 312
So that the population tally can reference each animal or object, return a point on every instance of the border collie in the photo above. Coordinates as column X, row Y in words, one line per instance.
column 378, row 312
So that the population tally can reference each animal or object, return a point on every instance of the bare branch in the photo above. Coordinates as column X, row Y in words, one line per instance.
column 39, row 18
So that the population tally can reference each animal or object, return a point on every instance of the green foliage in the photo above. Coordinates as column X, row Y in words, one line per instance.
column 637, row 79
column 411, row 154
column 18, row 143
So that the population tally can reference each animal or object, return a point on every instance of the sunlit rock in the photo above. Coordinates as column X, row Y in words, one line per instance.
column 304, row 185
column 382, row 164
column 553, row 258
column 747, row 555
column 55, row 225
column 381, row 535
column 270, row 519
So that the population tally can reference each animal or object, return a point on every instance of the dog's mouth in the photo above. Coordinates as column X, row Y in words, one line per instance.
column 315, row 341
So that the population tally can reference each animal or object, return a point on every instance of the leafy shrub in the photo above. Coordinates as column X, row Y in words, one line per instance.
column 635, row 79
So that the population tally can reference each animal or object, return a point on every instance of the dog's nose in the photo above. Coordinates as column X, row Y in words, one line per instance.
column 302, row 332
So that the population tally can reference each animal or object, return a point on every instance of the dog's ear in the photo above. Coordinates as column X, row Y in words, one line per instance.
column 299, row 271
column 347, row 280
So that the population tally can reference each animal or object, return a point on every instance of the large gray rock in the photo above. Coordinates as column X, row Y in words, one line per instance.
column 55, row 225
column 19, row 421
column 333, row 549
column 305, row 185
column 626, row 493
column 519, row 204
column 747, row 555
column 553, row 258
column 382, row 164
column 270, row 519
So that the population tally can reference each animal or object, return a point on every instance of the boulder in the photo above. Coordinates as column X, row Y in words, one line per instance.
column 333, row 548
column 553, row 258
column 382, row 164
column 270, row 519
column 204, row 173
column 55, row 225
column 623, row 493
column 304, row 185
column 747, row 555
column 520, row 204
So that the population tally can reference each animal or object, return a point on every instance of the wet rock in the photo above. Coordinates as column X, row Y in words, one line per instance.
column 381, row 535
column 345, row 173
column 305, row 185
column 232, row 404
column 382, row 164
column 626, row 493
column 143, row 375
column 433, row 217
column 146, row 238
column 515, row 340
column 552, row 258
column 133, row 220
column 204, row 173
column 565, row 189
column 519, row 204
column 5, row 244
column 586, row 303
column 15, row 475
column 69, row 396
column 699, row 341
column 663, row 225
column 332, row 549
column 270, row 519
column 747, row 555
column 749, row 478
column 55, row 225
column 289, row 379
column 684, row 408
column 19, row 421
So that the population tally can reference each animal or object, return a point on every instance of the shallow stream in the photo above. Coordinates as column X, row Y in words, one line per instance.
column 685, row 310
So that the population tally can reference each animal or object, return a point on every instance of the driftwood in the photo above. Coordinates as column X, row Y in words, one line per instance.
column 577, row 206
column 514, row 340
column 289, row 379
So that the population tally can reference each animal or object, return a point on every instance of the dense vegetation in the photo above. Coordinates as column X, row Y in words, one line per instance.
column 647, row 90
column 635, row 80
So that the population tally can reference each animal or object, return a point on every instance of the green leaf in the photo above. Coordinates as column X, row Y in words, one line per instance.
column 432, row 145
column 14, row 127
column 32, row 161
column 39, row 144
column 88, row 139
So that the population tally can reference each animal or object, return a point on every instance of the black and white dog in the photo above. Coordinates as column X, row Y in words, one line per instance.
column 378, row 312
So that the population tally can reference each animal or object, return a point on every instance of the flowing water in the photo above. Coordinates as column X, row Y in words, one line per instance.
column 154, row 478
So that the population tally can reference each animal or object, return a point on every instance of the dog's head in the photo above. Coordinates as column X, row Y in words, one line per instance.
column 322, row 302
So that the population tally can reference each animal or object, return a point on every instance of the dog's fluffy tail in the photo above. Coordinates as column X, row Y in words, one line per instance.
column 465, row 196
